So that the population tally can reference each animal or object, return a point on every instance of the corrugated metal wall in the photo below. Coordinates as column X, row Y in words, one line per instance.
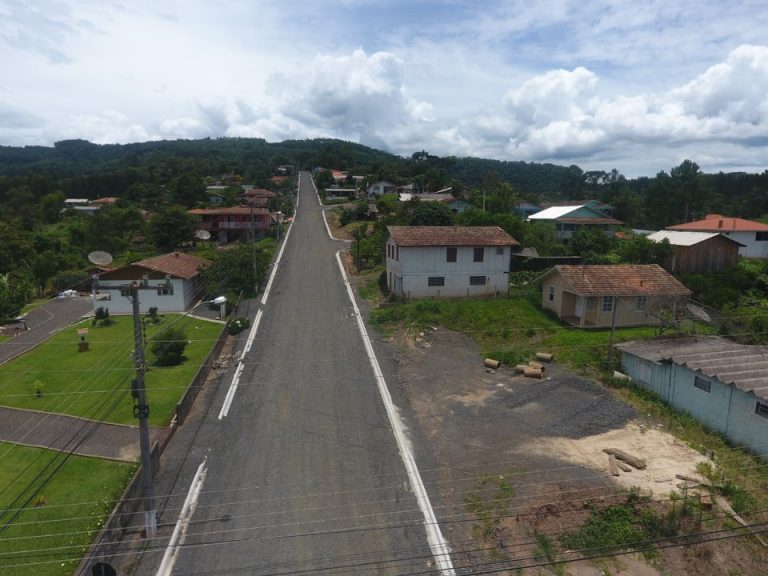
column 725, row 409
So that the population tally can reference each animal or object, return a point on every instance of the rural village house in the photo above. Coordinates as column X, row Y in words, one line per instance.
column 723, row 384
column 568, row 219
column 228, row 224
column 698, row 252
column 448, row 261
column 753, row 235
column 170, row 283
column 605, row 295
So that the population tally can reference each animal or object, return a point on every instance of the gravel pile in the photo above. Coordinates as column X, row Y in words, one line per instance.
column 571, row 407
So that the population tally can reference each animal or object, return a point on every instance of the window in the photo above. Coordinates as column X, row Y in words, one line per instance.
column 608, row 303
column 761, row 236
column 702, row 384
column 477, row 280
column 397, row 253
column 436, row 281
column 451, row 254
column 499, row 251
column 640, row 304
column 551, row 293
column 591, row 303
column 164, row 289
column 762, row 409
column 479, row 254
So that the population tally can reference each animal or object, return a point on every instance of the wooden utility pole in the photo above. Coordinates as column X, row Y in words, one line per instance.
column 141, row 411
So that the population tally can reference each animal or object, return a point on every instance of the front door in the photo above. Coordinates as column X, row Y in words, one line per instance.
column 578, row 307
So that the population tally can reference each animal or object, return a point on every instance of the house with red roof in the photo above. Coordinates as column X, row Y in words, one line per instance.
column 169, row 282
column 599, row 296
column 448, row 261
column 752, row 235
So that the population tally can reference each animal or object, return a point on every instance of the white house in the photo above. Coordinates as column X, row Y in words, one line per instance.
column 168, row 282
column 753, row 235
column 448, row 261
column 380, row 187
column 723, row 384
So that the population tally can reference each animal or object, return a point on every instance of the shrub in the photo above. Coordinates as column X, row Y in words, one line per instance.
column 168, row 346
column 238, row 325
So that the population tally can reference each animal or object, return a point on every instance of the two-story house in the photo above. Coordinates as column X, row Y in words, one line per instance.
column 448, row 261
column 231, row 223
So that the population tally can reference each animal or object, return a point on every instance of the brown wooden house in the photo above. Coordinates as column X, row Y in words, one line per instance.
column 598, row 296
column 698, row 252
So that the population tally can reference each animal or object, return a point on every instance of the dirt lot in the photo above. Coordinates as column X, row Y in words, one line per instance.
column 532, row 451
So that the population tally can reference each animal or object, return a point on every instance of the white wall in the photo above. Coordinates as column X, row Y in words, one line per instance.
column 753, row 248
column 179, row 301
column 408, row 276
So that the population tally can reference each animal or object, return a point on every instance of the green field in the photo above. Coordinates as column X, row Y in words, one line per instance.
column 55, row 377
column 53, row 531
column 511, row 329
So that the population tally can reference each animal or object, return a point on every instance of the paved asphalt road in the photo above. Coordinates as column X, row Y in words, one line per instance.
column 303, row 475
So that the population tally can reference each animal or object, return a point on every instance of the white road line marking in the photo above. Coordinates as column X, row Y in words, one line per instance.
column 180, row 530
column 437, row 543
column 327, row 228
column 239, row 370
column 277, row 263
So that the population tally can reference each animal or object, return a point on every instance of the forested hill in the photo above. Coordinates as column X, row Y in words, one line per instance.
column 140, row 172
column 85, row 169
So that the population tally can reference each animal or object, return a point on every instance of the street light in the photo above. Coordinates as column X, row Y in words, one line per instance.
column 221, row 302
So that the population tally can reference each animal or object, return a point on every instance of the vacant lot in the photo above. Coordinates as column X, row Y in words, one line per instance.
column 55, row 377
column 521, row 462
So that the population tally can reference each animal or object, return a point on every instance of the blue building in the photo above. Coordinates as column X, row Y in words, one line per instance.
column 723, row 384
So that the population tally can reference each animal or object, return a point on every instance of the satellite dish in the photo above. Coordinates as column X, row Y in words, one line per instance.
column 100, row 258
column 202, row 235
column 699, row 313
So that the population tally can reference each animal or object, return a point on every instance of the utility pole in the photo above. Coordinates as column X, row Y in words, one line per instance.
column 141, row 411
column 613, row 333
column 253, row 243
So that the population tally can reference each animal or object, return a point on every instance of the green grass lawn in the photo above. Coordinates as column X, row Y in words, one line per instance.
column 51, row 534
column 511, row 330
column 84, row 383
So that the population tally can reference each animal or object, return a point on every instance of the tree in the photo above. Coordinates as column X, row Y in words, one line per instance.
column 13, row 295
column 237, row 262
column 168, row 346
column 690, row 194
column 543, row 237
column 590, row 243
column 112, row 228
column 171, row 227
column 188, row 189
column 431, row 214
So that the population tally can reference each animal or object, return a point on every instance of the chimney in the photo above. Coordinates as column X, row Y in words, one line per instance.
column 719, row 223
column 176, row 254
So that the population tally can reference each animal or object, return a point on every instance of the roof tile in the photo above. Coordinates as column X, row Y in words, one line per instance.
column 450, row 236
column 621, row 280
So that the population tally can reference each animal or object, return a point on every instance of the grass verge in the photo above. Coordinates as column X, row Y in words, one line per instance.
column 50, row 535
column 55, row 377
column 511, row 329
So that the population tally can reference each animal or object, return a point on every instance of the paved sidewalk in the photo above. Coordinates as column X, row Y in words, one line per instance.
column 65, row 433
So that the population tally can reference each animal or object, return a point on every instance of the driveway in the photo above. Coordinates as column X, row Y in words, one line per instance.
column 43, row 322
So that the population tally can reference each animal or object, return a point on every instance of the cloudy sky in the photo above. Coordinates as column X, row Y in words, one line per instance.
column 630, row 84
